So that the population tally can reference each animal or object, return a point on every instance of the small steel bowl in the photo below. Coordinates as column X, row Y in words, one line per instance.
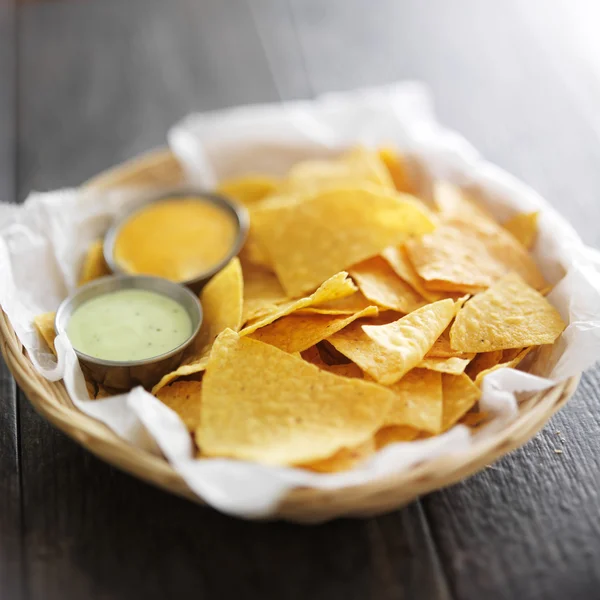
column 124, row 375
column 237, row 211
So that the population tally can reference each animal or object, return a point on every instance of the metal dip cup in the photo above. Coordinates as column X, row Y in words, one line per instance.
column 236, row 211
column 124, row 375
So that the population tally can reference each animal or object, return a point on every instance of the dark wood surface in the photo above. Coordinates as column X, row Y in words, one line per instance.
column 84, row 85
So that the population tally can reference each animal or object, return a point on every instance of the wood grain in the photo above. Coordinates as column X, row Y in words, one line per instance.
column 11, row 566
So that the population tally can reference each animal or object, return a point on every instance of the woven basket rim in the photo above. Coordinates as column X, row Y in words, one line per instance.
column 51, row 400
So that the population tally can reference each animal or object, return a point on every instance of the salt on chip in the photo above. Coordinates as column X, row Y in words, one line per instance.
column 44, row 324
column 221, row 300
column 338, row 286
column 248, row 190
column 397, row 258
column 262, row 291
column 334, row 229
column 344, row 459
column 380, row 284
column 510, row 314
column 94, row 265
column 260, row 403
column 394, row 434
column 405, row 342
column 452, row 364
column 343, row 306
column 524, row 227
column 184, row 397
column 460, row 395
column 483, row 361
column 508, row 364
column 470, row 256
column 418, row 401
column 298, row 332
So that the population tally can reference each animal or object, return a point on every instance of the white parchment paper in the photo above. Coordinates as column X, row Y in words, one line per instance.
column 42, row 244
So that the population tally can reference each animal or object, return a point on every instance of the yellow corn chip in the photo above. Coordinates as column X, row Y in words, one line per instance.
column 396, row 167
column 474, row 419
column 483, row 361
column 184, row 397
column 418, row 401
column 380, row 284
column 460, row 395
column 452, row 364
column 44, row 324
column 442, row 349
column 221, row 301
column 271, row 418
column 312, row 355
column 262, row 291
column 249, row 189
column 456, row 203
column 94, row 265
column 469, row 256
column 401, row 344
column 344, row 459
column 524, row 227
column 508, row 315
column 510, row 353
column 338, row 286
column 397, row 258
column 394, row 434
column 295, row 333
column 344, row 306
column 311, row 241
column 510, row 364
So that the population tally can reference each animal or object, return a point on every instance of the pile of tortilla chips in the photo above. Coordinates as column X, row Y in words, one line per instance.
column 357, row 315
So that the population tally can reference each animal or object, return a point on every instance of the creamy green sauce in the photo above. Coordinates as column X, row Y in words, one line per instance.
column 128, row 325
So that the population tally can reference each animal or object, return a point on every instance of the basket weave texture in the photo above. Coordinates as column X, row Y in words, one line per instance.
column 304, row 504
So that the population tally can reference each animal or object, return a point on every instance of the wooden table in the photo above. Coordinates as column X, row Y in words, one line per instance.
column 84, row 85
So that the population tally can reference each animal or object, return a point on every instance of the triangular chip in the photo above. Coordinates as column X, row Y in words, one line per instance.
column 403, row 343
column 184, row 397
column 313, row 356
column 271, row 418
column 344, row 459
column 344, row 306
column 483, row 361
column 524, row 227
column 394, row 434
column 338, row 286
column 442, row 349
column 460, row 395
column 508, row 315
column 295, row 333
column 94, row 265
column 397, row 169
column 221, row 300
column 455, row 203
column 470, row 256
column 262, row 291
column 474, row 419
column 452, row 364
column 332, row 230
column 508, row 364
column 249, row 189
column 44, row 324
column 380, row 284
column 418, row 401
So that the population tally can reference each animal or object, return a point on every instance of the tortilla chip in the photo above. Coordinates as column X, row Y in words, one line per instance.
column 453, row 364
column 221, row 301
column 249, row 189
column 313, row 356
column 380, row 284
column 508, row 315
column 470, row 256
column 336, row 287
column 474, row 419
column 44, row 324
column 394, row 434
column 483, row 361
column 311, row 241
column 396, row 167
column 509, row 364
column 524, row 227
column 295, row 333
column 401, row 344
column 460, row 395
column 184, row 397
column 262, row 291
column 271, row 418
column 418, row 401
column 94, row 265
column 344, row 306
column 344, row 459
column 397, row 257
column 456, row 203
column 442, row 349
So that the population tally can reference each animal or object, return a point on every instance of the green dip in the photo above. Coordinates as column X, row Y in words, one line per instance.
column 128, row 325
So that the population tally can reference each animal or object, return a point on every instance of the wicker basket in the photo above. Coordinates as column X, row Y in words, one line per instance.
column 306, row 505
